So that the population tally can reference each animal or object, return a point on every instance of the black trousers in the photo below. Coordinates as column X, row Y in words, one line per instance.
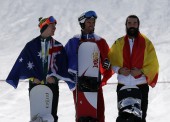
column 55, row 90
column 144, row 88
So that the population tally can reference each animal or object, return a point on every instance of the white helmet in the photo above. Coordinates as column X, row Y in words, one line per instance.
column 86, row 15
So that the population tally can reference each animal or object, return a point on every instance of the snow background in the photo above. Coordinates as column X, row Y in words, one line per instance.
column 19, row 20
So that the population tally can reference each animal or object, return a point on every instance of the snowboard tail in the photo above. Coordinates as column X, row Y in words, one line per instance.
column 86, row 105
column 41, row 98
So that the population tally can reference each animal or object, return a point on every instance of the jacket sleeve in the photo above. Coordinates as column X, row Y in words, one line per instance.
column 104, row 50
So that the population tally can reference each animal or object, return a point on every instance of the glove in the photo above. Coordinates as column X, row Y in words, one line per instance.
column 106, row 64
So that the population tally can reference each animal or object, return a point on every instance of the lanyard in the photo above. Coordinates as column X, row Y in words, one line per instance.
column 44, row 51
column 44, row 54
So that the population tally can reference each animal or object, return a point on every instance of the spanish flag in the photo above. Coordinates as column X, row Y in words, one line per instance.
column 143, row 56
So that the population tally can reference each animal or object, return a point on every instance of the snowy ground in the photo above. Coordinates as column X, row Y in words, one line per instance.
column 19, row 20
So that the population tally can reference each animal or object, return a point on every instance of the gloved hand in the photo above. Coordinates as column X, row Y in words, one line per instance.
column 106, row 64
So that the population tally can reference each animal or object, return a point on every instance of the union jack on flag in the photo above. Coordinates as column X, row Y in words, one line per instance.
column 29, row 63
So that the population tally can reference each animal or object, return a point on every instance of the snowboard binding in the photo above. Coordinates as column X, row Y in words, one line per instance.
column 87, row 119
column 88, row 84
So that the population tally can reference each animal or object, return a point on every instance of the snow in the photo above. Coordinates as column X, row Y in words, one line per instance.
column 19, row 20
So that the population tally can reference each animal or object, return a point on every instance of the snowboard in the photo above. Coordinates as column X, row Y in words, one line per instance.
column 41, row 98
column 88, row 83
column 129, row 104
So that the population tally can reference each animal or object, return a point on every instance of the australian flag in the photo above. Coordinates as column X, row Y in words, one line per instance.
column 29, row 63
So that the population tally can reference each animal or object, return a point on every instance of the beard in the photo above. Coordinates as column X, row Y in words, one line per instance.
column 132, row 32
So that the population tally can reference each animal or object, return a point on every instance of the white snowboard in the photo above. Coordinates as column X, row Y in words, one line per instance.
column 41, row 98
column 88, row 65
column 88, row 59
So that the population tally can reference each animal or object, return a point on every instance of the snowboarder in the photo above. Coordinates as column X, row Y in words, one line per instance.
column 43, row 61
column 134, row 59
column 87, row 22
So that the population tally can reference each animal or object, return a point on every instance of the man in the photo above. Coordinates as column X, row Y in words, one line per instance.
column 43, row 61
column 87, row 23
column 134, row 59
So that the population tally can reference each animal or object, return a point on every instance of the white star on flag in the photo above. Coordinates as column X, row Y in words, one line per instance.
column 39, row 55
column 21, row 59
column 30, row 65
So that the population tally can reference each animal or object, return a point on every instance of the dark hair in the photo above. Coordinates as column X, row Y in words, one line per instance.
column 40, row 19
column 132, row 16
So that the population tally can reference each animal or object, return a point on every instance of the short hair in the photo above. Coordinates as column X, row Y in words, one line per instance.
column 132, row 16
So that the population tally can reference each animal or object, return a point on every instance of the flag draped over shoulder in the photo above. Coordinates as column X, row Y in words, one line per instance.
column 29, row 63
column 143, row 56
column 72, row 53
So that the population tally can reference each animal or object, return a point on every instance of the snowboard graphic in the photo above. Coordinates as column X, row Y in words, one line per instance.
column 129, row 104
column 87, row 86
column 41, row 98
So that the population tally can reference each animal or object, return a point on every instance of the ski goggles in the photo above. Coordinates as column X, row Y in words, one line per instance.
column 88, row 15
column 47, row 21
